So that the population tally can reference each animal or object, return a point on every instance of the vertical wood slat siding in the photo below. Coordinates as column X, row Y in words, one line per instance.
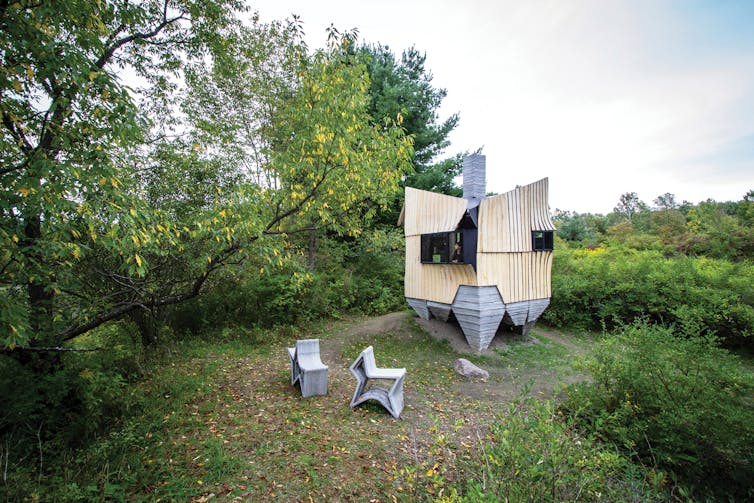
column 426, row 212
column 540, row 220
column 542, row 279
column 514, row 221
column 518, row 276
column 433, row 282
column 491, row 224
column 506, row 221
column 524, row 219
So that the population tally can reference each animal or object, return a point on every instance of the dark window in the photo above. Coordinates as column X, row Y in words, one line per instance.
column 542, row 240
column 439, row 248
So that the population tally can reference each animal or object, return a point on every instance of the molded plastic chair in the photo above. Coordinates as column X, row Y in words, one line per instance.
column 364, row 368
column 307, row 368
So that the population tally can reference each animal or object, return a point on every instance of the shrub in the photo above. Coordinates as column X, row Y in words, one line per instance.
column 605, row 288
column 363, row 277
column 534, row 454
column 244, row 298
column 46, row 416
column 675, row 402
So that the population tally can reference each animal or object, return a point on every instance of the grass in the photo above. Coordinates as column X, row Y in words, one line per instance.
column 220, row 420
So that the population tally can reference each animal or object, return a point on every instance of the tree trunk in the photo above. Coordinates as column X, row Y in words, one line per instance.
column 39, row 291
column 312, row 246
column 40, row 295
column 146, row 322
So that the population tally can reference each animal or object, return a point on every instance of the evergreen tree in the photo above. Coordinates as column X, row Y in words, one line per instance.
column 403, row 90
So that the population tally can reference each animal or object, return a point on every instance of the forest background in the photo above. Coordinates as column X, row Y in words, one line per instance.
column 239, row 182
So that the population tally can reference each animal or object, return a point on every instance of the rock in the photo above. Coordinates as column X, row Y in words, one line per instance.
column 468, row 369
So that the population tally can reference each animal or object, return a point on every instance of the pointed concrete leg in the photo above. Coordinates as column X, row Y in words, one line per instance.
column 420, row 306
column 479, row 310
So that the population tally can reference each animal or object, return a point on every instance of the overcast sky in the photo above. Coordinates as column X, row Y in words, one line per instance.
column 601, row 96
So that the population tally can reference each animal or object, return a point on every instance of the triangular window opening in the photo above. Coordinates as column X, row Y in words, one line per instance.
column 468, row 221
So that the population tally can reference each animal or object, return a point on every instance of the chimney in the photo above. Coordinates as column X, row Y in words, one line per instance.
column 474, row 177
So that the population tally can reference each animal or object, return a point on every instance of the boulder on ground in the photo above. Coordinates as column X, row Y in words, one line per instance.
column 468, row 369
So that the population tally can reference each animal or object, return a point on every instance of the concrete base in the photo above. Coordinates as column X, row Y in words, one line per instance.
column 439, row 310
column 420, row 306
column 480, row 310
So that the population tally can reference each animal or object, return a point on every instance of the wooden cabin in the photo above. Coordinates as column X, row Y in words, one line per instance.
column 499, row 272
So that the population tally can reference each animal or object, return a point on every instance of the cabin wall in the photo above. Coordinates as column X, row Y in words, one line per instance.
column 518, row 276
column 426, row 212
column 433, row 282
column 507, row 221
column 504, row 256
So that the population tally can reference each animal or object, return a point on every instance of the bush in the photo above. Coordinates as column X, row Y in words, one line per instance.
column 605, row 288
column 364, row 277
column 675, row 402
column 47, row 415
column 535, row 454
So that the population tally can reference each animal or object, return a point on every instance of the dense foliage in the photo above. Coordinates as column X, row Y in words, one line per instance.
column 684, row 265
column 70, row 127
column 404, row 87
column 675, row 402
column 674, row 281
column 363, row 276
column 603, row 288
column 720, row 230
column 533, row 453
column 240, row 137
column 124, row 202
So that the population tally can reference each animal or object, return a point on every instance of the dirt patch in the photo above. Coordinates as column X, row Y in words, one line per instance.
column 451, row 331
column 391, row 322
column 576, row 346
column 292, row 447
column 508, row 374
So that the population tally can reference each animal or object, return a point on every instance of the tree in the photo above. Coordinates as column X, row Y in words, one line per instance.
column 719, row 231
column 66, row 121
column 629, row 204
column 404, row 89
column 746, row 209
column 573, row 226
column 666, row 202
column 117, row 208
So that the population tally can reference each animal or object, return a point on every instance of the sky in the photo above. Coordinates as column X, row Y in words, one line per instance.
column 603, row 97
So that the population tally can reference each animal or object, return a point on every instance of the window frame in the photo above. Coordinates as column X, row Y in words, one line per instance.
column 426, row 255
column 543, row 242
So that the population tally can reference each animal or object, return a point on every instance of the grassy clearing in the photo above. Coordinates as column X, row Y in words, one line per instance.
column 222, row 421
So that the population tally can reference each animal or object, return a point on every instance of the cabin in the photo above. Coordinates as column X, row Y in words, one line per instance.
column 481, row 260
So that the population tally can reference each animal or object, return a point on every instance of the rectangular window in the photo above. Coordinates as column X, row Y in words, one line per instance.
column 542, row 240
column 440, row 248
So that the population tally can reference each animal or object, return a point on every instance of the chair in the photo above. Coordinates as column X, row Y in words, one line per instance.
column 307, row 369
column 364, row 368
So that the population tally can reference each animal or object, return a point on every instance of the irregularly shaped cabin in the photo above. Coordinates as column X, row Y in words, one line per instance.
column 506, row 243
